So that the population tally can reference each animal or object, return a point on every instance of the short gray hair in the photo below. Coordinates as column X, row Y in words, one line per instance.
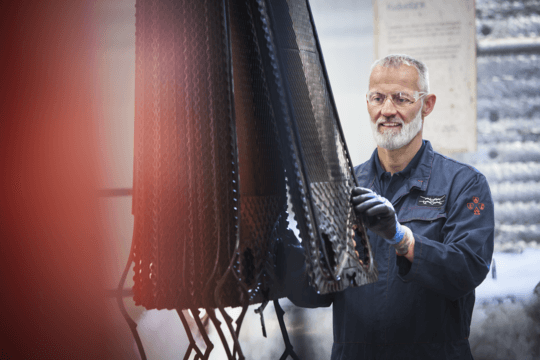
column 396, row 60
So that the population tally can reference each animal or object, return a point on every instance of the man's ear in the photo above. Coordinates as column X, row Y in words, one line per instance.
column 429, row 104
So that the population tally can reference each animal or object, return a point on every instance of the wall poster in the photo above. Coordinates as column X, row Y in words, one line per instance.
column 442, row 34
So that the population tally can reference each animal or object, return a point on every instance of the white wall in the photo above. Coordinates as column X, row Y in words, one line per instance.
column 345, row 29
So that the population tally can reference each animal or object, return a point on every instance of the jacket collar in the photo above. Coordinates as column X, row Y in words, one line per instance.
column 417, row 175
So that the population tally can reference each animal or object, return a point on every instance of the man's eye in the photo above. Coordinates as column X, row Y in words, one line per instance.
column 402, row 99
column 377, row 98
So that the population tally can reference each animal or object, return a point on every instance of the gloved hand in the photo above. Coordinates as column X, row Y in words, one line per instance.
column 378, row 214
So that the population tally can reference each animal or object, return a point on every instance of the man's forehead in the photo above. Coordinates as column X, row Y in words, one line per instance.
column 405, row 77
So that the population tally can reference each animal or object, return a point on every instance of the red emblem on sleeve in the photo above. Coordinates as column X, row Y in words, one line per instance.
column 476, row 205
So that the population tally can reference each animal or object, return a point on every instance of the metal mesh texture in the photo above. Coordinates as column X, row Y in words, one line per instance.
column 262, row 181
column 319, row 172
column 185, row 178
column 208, row 169
column 232, row 101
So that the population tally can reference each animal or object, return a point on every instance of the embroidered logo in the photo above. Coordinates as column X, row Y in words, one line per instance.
column 476, row 205
column 431, row 201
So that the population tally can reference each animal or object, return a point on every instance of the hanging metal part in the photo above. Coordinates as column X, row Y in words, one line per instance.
column 368, row 271
column 235, row 332
column 244, row 300
column 319, row 170
column 217, row 326
column 120, row 301
column 236, row 353
column 234, row 267
column 288, row 346
column 192, row 343
column 260, row 312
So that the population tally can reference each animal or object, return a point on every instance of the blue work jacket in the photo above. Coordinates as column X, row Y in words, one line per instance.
column 423, row 309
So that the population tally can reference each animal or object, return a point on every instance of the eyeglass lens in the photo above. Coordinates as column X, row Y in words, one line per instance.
column 399, row 98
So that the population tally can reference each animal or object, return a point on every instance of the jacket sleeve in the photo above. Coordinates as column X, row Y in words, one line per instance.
column 460, row 262
column 291, row 272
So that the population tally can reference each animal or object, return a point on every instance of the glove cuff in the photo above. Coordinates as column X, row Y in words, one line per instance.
column 400, row 233
column 402, row 248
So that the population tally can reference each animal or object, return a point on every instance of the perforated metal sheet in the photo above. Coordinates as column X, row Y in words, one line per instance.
column 319, row 171
column 185, row 178
column 262, row 182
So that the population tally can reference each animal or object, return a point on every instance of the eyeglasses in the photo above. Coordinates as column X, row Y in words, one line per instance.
column 399, row 99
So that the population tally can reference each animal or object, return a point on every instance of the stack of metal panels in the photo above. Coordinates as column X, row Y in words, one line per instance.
column 232, row 103
column 509, row 117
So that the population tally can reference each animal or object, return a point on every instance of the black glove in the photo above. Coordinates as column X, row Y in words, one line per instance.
column 378, row 214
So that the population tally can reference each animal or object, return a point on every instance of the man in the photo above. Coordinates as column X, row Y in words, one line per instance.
column 430, row 221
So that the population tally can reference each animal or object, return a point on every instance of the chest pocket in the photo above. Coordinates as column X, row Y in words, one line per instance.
column 423, row 220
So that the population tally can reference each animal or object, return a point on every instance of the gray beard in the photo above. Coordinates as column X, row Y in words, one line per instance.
column 392, row 141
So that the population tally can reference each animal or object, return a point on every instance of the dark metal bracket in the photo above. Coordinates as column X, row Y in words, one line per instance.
column 244, row 299
column 288, row 346
column 120, row 300
column 260, row 311
column 192, row 343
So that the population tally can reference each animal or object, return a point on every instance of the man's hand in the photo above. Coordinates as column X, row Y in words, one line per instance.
column 380, row 217
column 379, row 214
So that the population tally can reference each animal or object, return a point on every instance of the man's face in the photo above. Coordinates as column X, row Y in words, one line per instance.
column 394, row 127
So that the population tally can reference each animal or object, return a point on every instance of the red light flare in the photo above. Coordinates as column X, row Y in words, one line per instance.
column 52, row 299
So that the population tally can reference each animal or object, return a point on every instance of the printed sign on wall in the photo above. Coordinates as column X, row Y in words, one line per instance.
column 441, row 33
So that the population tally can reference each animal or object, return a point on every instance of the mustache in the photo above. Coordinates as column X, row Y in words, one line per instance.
column 395, row 119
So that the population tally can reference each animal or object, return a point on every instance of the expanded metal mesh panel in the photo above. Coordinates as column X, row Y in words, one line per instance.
column 318, row 167
column 184, row 178
column 262, row 181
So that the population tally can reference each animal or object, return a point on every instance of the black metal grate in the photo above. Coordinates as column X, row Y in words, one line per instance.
column 318, row 166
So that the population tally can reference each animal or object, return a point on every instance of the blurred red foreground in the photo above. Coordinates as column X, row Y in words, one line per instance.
column 52, row 303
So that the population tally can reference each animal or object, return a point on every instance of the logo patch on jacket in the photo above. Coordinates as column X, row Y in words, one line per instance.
column 431, row 201
column 476, row 205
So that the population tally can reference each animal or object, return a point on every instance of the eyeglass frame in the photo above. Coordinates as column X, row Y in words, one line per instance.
column 417, row 95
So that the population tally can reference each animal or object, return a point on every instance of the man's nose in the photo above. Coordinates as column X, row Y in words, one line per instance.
column 388, row 107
